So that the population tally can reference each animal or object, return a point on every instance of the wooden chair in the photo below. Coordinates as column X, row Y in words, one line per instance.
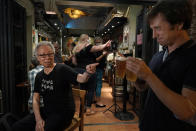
column 78, row 121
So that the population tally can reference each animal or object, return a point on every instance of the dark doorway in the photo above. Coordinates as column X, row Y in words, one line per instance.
column 20, row 56
column 13, row 55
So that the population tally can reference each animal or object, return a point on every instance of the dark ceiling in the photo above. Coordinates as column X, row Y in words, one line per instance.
column 95, row 16
column 97, row 13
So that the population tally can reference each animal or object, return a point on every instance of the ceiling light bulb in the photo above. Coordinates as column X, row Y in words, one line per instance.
column 50, row 12
column 74, row 13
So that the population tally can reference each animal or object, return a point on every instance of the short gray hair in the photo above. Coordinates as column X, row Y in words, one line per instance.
column 43, row 43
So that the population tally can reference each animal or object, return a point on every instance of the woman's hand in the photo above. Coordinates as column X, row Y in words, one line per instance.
column 40, row 125
column 107, row 44
column 105, row 53
column 91, row 68
column 97, row 48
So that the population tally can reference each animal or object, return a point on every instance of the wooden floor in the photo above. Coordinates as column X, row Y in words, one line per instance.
column 107, row 121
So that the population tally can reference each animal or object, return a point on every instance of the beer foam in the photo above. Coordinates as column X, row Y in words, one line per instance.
column 121, row 58
column 139, row 58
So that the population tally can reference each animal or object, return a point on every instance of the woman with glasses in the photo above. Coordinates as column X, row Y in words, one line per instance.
column 53, row 83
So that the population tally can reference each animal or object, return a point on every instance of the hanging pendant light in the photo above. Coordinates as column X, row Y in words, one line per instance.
column 74, row 13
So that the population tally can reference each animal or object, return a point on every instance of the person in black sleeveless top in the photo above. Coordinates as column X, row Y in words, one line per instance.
column 171, row 100
column 84, row 55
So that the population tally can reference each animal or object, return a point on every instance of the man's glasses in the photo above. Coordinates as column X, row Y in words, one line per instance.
column 45, row 55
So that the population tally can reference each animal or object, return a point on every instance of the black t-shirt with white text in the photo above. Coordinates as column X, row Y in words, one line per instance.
column 55, row 88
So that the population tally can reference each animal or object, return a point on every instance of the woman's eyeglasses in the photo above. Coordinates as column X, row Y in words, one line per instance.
column 45, row 55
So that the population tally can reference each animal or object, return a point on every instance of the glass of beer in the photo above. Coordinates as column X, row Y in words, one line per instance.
column 130, row 75
column 120, row 67
column 63, row 57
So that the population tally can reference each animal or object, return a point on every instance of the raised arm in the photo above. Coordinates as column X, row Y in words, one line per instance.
column 97, row 48
column 90, row 69
column 101, row 56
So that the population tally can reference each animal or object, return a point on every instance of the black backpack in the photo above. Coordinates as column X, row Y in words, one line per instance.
column 6, row 121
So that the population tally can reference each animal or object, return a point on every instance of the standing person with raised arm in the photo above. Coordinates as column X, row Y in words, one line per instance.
column 84, row 55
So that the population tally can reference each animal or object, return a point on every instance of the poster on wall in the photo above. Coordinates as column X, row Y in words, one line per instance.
column 125, row 40
column 36, row 36
column 126, row 34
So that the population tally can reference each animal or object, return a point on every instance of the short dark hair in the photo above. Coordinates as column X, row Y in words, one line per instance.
column 174, row 11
